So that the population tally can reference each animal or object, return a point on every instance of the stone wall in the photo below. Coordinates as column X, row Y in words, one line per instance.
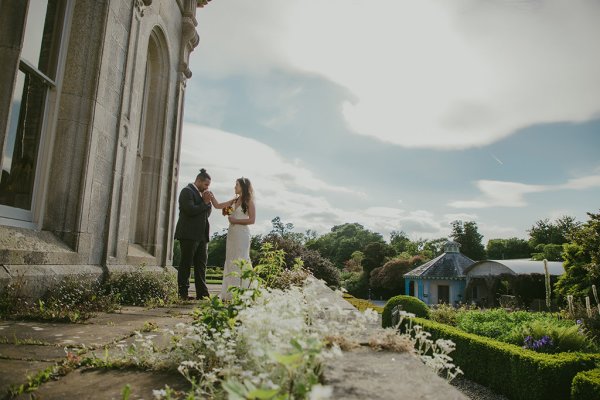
column 110, row 149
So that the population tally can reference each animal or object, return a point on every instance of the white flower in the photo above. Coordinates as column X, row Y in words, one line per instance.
column 319, row 392
column 159, row 394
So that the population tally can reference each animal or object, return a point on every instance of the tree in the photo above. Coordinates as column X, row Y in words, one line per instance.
column 286, row 230
column 582, row 261
column 388, row 280
column 557, row 232
column 399, row 241
column 469, row 238
column 354, row 264
column 375, row 255
column 506, row 249
column 550, row 252
column 343, row 240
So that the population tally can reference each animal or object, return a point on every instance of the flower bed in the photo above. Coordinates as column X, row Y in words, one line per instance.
column 511, row 370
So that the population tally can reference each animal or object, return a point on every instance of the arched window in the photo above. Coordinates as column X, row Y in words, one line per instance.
column 146, row 204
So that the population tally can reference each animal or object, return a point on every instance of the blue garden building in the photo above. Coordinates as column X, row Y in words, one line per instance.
column 453, row 278
column 441, row 280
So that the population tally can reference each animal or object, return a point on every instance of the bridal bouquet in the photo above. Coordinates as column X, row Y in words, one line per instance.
column 227, row 211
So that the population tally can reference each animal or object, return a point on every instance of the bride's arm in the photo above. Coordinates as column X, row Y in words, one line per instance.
column 218, row 205
column 251, row 216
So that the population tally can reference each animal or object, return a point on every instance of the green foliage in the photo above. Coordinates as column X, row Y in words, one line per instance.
column 506, row 249
column 71, row 299
column 586, row 385
column 564, row 338
column 218, row 315
column 375, row 255
column 142, row 288
column 447, row 314
column 355, row 283
column 343, row 240
column 469, row 238
column 510, row 370
column 557, row 232
column 388, row 280
column 409, row 304
column 514, row 327
column 582, row 261
column 216, row 249
column 312, row 261
column 271, row 263
column 550, row 252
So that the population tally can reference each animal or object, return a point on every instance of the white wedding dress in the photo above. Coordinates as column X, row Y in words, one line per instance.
column 238, row 247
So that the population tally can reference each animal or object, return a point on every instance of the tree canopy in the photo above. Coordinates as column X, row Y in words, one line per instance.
column 582, row 260
column 468, row 236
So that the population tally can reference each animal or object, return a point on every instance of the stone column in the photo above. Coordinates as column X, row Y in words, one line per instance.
column 12, row 21
column 189, row 41
column 122, row 187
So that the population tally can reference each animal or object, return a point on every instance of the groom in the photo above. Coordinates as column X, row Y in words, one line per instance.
column 192, row 232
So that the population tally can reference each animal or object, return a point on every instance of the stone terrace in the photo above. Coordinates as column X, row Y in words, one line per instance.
column 30, row 347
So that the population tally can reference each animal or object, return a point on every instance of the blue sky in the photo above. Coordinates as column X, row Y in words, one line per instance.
column 398, row 115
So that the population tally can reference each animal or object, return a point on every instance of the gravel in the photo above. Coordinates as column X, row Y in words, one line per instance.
column 475, row 391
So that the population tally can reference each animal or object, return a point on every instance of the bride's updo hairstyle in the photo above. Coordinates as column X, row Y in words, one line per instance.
column 247, row 192
column 203, row 175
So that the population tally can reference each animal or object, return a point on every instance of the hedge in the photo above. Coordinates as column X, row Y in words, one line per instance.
column 586, row 385
column 509, row 369
column 409, row 304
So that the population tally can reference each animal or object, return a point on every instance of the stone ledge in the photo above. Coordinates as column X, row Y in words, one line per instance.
column 26, row 246
column 35, row 280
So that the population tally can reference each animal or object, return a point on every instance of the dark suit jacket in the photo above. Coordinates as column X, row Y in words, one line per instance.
column 193, row 216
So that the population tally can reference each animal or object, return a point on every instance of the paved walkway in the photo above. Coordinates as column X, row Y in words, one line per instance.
column 27, row 348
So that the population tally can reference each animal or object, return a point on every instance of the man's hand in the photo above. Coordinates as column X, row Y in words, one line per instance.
column 207, row 196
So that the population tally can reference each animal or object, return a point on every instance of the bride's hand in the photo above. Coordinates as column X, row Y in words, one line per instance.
column 231, row 219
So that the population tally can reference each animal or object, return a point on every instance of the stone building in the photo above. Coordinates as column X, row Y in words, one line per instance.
column 441, row 280
column 91, row 103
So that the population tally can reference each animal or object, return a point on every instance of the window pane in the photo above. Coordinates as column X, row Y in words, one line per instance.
column 43, row 30
column 19, row 158
column 34, row 31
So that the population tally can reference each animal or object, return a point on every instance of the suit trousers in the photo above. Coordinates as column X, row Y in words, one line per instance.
column 193, row 253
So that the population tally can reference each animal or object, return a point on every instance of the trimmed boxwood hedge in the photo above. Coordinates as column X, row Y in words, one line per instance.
column 586, row 385
column 409, row 304
column 509, row 369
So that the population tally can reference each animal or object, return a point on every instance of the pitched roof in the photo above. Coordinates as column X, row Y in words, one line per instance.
column 447, row 265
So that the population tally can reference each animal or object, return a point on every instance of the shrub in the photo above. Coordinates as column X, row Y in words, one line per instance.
column 319, row 266
column 503, row 325
column 509, row 369
column 71, row 299
column 407, row 303
column 447, row 314
column 389, row 279
column 564, row 338
column 586, row 385
column 142, row 288
column 356, row 283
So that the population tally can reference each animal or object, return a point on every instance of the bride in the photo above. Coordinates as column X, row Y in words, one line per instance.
column 241, row 213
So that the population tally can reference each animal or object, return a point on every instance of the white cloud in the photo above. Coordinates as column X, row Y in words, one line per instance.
column 288, row 189
column 512, row 194
column 430, row 73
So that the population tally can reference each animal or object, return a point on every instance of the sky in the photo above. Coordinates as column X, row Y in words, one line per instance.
column 399, row 115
